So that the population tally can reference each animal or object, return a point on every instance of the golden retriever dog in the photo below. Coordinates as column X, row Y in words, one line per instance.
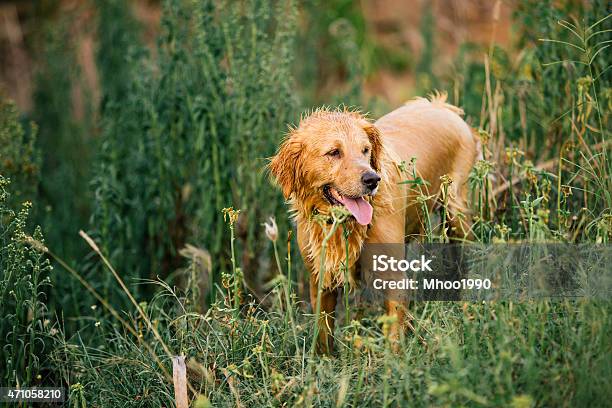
column 338, row 158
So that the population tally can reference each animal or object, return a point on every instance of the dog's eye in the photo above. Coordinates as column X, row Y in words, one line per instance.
column 366, row 150
column 334, row 153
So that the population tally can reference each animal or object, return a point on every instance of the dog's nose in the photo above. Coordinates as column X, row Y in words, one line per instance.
column 370, row 180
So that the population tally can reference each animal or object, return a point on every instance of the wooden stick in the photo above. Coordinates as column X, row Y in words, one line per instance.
column 179, row 377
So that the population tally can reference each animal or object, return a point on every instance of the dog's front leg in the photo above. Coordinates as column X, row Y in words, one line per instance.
column 325, row 340
column 390, row 230
column 397, row 310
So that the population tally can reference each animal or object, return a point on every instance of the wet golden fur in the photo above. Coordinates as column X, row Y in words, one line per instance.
column 429, row 130
column 299, row 176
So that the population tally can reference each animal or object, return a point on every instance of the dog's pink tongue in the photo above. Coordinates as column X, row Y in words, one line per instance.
column 360, row 208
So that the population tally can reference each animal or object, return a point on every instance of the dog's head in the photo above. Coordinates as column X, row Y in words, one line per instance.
column 331, row 158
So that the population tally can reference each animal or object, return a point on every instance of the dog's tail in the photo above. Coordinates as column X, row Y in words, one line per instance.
column 439, row 99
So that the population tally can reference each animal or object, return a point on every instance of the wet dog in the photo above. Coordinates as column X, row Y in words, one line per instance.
column 339, row 158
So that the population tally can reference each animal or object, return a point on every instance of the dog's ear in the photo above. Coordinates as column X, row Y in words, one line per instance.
column 285, row 166
column 376, row 141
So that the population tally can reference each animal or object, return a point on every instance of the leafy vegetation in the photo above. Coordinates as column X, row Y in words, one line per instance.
column 25, row 276
column 201, row 118
column 20, row 160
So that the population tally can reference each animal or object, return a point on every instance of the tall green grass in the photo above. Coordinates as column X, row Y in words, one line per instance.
column 25, row 279
column 63, row 111
column 188, row 134
column 490, row 354
column 543, row 116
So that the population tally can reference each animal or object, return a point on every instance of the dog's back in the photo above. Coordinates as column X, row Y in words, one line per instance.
column 433, row 132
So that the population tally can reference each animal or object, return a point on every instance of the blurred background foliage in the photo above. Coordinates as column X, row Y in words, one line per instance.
column 138, row 121
column 189, row 133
